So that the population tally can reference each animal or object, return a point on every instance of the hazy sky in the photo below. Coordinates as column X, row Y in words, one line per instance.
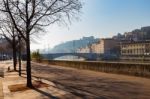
column 99, row 18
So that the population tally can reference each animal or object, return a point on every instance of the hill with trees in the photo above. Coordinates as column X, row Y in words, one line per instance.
column 72, row 46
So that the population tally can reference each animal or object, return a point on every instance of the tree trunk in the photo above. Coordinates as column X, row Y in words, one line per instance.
column 19, row 56
column 28, row 67
column 14, row 54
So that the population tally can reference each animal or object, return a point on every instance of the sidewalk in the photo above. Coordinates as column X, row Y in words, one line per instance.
column 12, row 78
column 1, row 79
column 1, row 89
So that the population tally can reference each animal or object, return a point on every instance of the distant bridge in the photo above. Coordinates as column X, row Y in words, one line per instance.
column 87, row 56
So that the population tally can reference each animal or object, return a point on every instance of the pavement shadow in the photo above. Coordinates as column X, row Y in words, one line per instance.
column 45, row 94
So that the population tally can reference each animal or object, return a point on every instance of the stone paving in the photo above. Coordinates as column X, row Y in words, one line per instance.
column 1, row 79
column 69, row 83
column 12, row 78
column 1, row 89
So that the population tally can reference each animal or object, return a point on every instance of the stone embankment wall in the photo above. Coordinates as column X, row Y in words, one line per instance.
column 135, row 69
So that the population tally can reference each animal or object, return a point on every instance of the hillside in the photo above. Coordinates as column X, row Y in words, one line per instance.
column 72, row 46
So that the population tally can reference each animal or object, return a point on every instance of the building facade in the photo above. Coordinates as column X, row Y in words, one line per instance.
column 104, row 46
column 95, row 48
column 138, row 48
column 108, row 46
column 86, row 49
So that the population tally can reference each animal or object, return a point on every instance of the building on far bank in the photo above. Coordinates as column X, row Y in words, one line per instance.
column 5, row 49
column 86, row 49
column 95, row 47
column 104, row 46
column 108, row 46
column 138, row 48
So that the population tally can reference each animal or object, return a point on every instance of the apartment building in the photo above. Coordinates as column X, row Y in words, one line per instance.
column 138, row 48
column 104, row 46
column 108, row 45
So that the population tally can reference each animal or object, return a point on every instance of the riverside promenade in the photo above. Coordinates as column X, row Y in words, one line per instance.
column 70, row 83
column 1, row 89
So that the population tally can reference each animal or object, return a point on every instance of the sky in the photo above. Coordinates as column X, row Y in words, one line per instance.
column 98, row 18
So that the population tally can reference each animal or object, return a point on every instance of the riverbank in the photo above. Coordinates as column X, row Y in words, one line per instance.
column 127, row 68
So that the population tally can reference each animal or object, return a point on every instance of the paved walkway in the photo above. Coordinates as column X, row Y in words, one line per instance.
column 70, row 83
column 1, row 79
column 50, row 92
column 94, row 85
column 1, row 89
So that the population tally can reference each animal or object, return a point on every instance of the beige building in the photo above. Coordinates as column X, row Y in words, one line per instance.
column 107, row 45
column 135, row 48
column 95, row 48
column 104, row 46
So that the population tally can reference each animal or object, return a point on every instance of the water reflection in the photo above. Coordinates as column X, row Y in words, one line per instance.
column 69, row 57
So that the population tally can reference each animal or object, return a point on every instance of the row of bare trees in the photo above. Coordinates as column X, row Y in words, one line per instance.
column 16, row 44
column 5, row 49
column 22, row 18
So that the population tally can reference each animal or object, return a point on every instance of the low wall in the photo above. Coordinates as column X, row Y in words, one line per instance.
column 135, row 58
column 135, row 69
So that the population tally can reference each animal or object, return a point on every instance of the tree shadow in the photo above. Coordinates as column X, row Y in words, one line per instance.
column 24, row 76
column 45, row 93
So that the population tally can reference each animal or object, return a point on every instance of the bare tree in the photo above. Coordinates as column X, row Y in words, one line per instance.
column 8, row 31
column 19, row 38
column 21, row 48
column 35, row 14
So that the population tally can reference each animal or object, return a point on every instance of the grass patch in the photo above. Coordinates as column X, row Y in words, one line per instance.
column 23, row 87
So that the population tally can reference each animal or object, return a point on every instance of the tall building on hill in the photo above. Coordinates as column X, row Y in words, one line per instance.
column 135, row 35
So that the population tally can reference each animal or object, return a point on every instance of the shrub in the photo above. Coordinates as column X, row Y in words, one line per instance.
column 36, row 56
